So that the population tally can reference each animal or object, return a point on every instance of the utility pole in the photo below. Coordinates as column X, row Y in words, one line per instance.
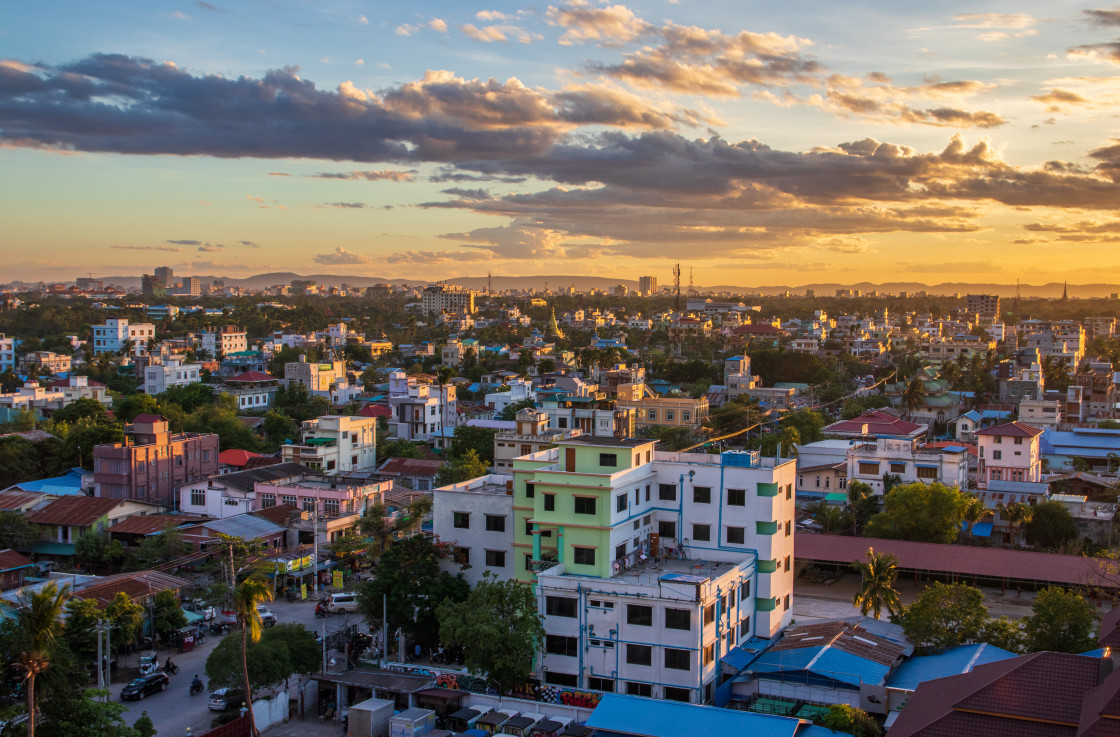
column 100, row 659
column 384, row 629
column 108, row 658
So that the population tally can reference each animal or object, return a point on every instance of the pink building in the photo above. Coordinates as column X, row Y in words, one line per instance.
column 152, row 462
column 1009, row 452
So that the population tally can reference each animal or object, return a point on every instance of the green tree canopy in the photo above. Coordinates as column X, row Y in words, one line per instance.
column 282, row 651
column 1051, row 525
column 80, row 636
column 83, row 408
column 846, row 718
column 511, row 410
column 467, row 466
column 945, row 615
column 16, row 532
column 478, row 439
column 167, row 613
column 495, row 612
column 921, row 513
column 877, row 589
column 1062, row 621
column 409, row 573
column 125, row 617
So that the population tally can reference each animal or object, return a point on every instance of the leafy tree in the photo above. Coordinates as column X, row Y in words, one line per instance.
column 246, row 596
column 129, row 407
column 80, row 636
column 125, row 616
column 188, row 396
column 495, row 611
column 913, row 396
column 167, row 613
column 83, row 408
column 376, row 523
column 79, row 713
column 808, row 424
column 166, row 546
column 398, row 448
column 478, row 439
column 1062, row 621
column 1005, row 633
column 920, row 512
column 39, row 621
column 143, row 726
column 877, row 590
column 945, row 615
column 409, row 573
column 511, row 410
column 80, row 437
column 281, row 651
column 278, row 428
column 16, row 532
column 221, row 419
column 1051, row 525
column 468, row 466
column 19, row 461
column 861, row 504
column 847, row 718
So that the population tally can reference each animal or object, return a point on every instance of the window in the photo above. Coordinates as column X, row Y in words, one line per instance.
column 1018, row 441
column 997, row 439
column 495, row 523
column 785, row 603
column 676, row 659
column 608, row 460
column 702, row 533
column 997, row 454
column 927, row 473
column 639, row 655
column 462, row 556
column 530, row 491
column 701, row 495
column 667, row 492
column 620, row 551
column 585, row 505
column 558, row 645
column 868, row 469
column 496, row 558
column 737, row 497
column 789, row 527
column 620, row 503
column 601, row 684
column 786, row 564
column 709, row 614
column 677, row 694
column 678, row 619
column 639, row 689
column 550, row 502
column 600, row 604
column 898, row 468
column 736, row 535
column 709, row 654
column 461, row 520
column 639, row 615
column 686, row 416
column 562, row 423
column 667, row 530
column 560, row 606
column 198, row 498
column 268, row 500
column 528, row 562
column 669, row 415
column 583, row 556
column 561, row 679
column 745, row 628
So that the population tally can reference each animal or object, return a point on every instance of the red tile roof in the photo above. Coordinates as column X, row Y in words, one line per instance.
column 411, row 467
column 277, row 515
column 997, row 563
column 972, row 451
column 878, row 423
column 375, row 410
column 252, row 376
column 75, row 511
column 1011, row 430
column 149, row 418
column 65, row 384
column 236, row 457
column 1110, row 629
column 11, row 560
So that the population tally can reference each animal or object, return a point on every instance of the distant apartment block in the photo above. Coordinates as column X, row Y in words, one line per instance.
column 662, row 411
column 157, row 379
column 45, row 362
column 420, row 411
column 335, row 444
column 153, row 462
column 984, row 305
column 8, row 352
column 317, row 377
column 446, row 298
column 647, row 285
column 531, row 434
column 112, row 336
column 224, row 339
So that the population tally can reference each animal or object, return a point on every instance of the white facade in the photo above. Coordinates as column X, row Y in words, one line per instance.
column 1041, row 413
column 868, row 462
column 336, row 444
column 440, row 298
column 226, row 339
column 420, row 411
column 172, row 373
column 110, row 337
column 8, row 352
column 476, row 518
column 1009, row 452
column 519, row 391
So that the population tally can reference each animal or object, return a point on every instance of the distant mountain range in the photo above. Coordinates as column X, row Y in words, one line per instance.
column 583, row 283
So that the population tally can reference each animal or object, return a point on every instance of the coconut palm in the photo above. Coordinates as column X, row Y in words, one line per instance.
column 832, row 519
column 877, row 590
column 913, row 396
column 39, row 622
column 1016, row 515
column 246, row 596
column 974, row 511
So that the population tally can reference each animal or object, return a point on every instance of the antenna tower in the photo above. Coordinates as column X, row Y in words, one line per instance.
column 677, row 285
column 488, row 284
column 691, row 288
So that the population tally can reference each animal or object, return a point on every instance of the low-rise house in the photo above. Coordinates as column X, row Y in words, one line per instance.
column 66, row 519
column 1094, row 519
column 234, row 492
column 873, row 424
column 662, row 411
column 1045, row 414
column 44, row 362
column 251, row 390
column 335, row 444
column 13, row 567
column 250, row 528
column 820, row 481
column 1009, row 452
column 160, row 378
column 415, row 473
column 906, row 459
column 1095, row 446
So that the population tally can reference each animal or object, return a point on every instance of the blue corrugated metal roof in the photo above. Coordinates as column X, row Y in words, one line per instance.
column 822, row 663
column 982, row 529
column 952, row 662
column 633, row 715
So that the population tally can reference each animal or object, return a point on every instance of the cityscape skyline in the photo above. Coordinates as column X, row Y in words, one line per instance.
column 955, row 143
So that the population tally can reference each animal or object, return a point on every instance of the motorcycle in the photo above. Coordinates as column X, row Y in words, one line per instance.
column 196, row 687
column 171, row 668
column 321, row 611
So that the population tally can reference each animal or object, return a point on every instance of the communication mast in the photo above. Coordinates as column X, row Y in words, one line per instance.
column 677, row 285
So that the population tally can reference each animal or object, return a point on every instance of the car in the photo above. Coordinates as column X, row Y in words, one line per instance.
column 201, row 608
column 140, row 687
column 267, row 618
column 225, row 698
column 342, row 603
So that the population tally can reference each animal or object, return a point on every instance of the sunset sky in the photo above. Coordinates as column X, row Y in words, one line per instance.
column 757, row 143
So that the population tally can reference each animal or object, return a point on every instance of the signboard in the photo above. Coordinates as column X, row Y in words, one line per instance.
column 337, row 582
column 302, row 591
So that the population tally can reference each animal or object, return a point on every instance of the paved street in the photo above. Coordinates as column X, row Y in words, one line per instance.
column 174, row 710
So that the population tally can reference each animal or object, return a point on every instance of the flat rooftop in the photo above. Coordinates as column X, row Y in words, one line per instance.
column 609, row 442
column 688, row 571
column 493, row 483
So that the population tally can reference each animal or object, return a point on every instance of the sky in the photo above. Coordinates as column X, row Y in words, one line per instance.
column 754, row 143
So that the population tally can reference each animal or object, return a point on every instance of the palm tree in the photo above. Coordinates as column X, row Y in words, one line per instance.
column 246, row 596
column 831, row 519
column 40, row 623
column 974, row 511
column 877, row 590
column 1016, row 515
column 857, row 492
column 913, row 395
column 951, row 374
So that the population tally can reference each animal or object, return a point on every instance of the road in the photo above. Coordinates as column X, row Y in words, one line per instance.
column 174, row 710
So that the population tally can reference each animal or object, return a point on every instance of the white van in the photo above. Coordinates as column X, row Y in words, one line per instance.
column 344, row 602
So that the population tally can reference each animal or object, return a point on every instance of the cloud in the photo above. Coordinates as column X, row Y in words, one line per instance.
column 1107, row 52
column 438, row 25
column 362, row 20
column 369, row 176
column 993, row 20
column 433, row 258
column 211, row 247
column 610, row 26
column 467, row 194
column 406, row 29
column 184, row 242
column 169, row 249
column 359, row 62
column 278, row 174
column 1056, row 100
column 254, row 199
column 1103, row 17
column 485, row 34
column 347, row 205
column 209, row 6
column 250, row 244
column 180, row 16
column 341, row 257
column 490, row 15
